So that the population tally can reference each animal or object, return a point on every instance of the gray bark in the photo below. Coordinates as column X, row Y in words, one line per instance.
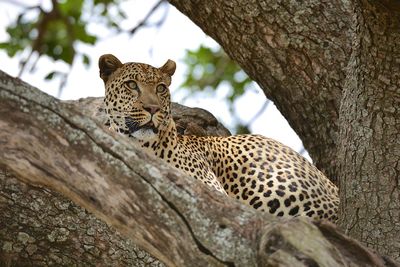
column 39, row 227
column 177, row 219
column 369, row 149
column 332, row 69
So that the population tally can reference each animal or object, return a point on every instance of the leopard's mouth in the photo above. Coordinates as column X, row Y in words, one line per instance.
column 134, row 126
column 150, row 125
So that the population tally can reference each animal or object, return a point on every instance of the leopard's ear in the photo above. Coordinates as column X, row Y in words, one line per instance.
column 169, row 67
column 108, row 64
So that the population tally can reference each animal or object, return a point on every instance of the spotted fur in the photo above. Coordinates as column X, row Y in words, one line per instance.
column 256, row 170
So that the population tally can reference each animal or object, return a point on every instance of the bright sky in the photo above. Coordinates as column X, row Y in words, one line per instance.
column 151, row 46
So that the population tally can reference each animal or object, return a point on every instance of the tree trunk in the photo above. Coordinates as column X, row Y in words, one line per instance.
column 332, row 69
column 296, row 51
column 369, row 151
column 177, row 219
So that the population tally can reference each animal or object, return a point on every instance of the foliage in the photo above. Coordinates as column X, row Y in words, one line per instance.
column 212, row 68
column 208, row 67
column 52, row 33
column 55, row 33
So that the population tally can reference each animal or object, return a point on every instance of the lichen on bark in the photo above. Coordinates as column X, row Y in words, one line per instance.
column 39, row 227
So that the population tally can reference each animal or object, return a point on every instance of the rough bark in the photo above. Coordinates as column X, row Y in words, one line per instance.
column 39, row 227
column 296, row 51
column 175, row 218
column 369, row 151
column 332, row 69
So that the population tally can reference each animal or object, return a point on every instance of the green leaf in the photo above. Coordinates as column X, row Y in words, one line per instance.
column 209, row 68
column 50, row 75
column 86, row 60
column 71, row 8
column 242, row 129
column 82, row 35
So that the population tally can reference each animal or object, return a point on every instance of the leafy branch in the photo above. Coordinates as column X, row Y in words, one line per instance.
column 211, row 68
column 55, row 33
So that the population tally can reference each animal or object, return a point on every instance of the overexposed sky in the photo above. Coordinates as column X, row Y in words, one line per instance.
column 152, row 46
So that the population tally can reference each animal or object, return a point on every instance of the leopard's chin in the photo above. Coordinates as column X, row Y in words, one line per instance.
column 146, row 134
column 150, row 126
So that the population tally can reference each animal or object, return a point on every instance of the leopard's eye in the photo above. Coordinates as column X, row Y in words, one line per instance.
column 132, row 85
column 161, row 88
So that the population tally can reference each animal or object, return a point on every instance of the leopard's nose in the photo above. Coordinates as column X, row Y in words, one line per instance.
column 152, row 109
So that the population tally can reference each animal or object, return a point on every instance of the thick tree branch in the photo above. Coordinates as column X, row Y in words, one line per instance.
column 296, row 51
column 39, row 227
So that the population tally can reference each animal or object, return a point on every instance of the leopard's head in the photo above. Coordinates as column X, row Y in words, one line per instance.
column 137, row 96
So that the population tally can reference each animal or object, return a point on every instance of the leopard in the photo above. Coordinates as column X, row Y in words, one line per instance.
column 256, row 170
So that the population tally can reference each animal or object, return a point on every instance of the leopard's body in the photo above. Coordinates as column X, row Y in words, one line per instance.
column 256, row 170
